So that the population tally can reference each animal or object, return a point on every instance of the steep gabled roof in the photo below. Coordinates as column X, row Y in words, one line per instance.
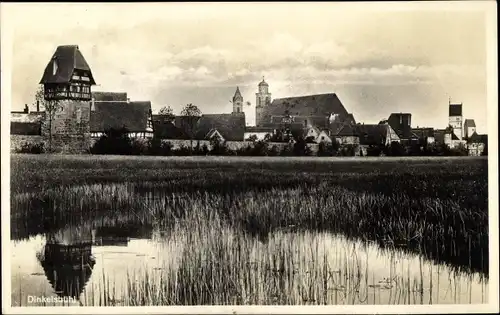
column 230, row 126
column 68, row 58
column 320, row 105
column 476, row 138
column 109, row 96
column 346, row 131
column 212, row 133
column 470, row 123
column 423, row 132
column 398, row 122
column 168, row 130
column 371, row 134
column 133, row 116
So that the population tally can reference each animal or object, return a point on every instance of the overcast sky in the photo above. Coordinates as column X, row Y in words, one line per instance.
column 377, row 61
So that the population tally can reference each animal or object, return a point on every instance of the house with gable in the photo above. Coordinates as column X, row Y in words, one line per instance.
column 115, row 110
column 476, row 144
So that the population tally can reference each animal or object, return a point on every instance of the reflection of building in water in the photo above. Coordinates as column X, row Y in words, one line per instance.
column 107, row 236
column 67, row 260
column 119, row 235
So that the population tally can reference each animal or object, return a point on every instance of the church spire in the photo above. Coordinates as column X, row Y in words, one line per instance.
column 237, row 95
column 237, row 101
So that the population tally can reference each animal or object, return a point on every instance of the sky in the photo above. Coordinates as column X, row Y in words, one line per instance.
column 378, row 59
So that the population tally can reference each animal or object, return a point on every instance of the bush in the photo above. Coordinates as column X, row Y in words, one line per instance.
column 183, row 150
column 460, row 150
column 287, row 150
column 274, row 151
column 328, row 149
column 201, row 150
column 395, row 149
column 115, row 141
column 31, row 148
column 300, row 148
column 348, row 150
column 219, row 146
column 157, row 147
column 373, row 150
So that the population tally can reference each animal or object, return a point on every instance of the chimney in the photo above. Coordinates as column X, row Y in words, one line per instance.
column 37, row 106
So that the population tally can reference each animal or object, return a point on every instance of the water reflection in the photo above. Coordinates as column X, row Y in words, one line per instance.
column 100, row 264
column 67, row 260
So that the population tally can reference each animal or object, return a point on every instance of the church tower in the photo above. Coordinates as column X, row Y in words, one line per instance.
column 67, row 80
column 263, row 100
column 237, row 102
column 456, row 119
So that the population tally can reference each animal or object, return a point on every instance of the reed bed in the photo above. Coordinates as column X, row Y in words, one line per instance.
column 218, row 265
column 246, row 223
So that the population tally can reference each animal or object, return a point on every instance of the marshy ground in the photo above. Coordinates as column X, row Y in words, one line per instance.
column 232, row 230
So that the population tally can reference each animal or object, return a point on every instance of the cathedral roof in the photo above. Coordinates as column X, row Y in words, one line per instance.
column 319, row 106
column 131, row 115
column 68, row 59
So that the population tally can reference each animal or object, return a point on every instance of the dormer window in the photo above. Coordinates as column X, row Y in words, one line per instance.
column 54, row 67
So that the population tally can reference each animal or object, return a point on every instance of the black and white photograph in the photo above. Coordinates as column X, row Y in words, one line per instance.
column 249, row 157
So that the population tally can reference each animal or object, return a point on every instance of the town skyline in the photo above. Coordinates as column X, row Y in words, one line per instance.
column 401, row 69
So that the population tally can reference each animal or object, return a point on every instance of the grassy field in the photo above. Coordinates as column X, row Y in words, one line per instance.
column 437, row 207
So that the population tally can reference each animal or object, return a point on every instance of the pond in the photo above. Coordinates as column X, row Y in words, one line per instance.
column 108, row 265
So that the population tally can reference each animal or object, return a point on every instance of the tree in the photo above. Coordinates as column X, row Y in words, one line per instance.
column 50, row 107
column 396, row 149
column 218, row 145
column 191, row 117
column 252, row 138
column 114, row 141
column 167, row 112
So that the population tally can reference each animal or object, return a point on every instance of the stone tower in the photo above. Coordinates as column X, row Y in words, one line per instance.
column 237, row 102
column 263, row 100
column 67, row 80
column 456, row 119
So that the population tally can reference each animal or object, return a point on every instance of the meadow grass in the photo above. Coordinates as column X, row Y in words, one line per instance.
column 436, row 207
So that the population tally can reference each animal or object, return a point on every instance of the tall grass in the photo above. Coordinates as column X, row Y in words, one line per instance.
column 220, row 265
column 223, row 210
